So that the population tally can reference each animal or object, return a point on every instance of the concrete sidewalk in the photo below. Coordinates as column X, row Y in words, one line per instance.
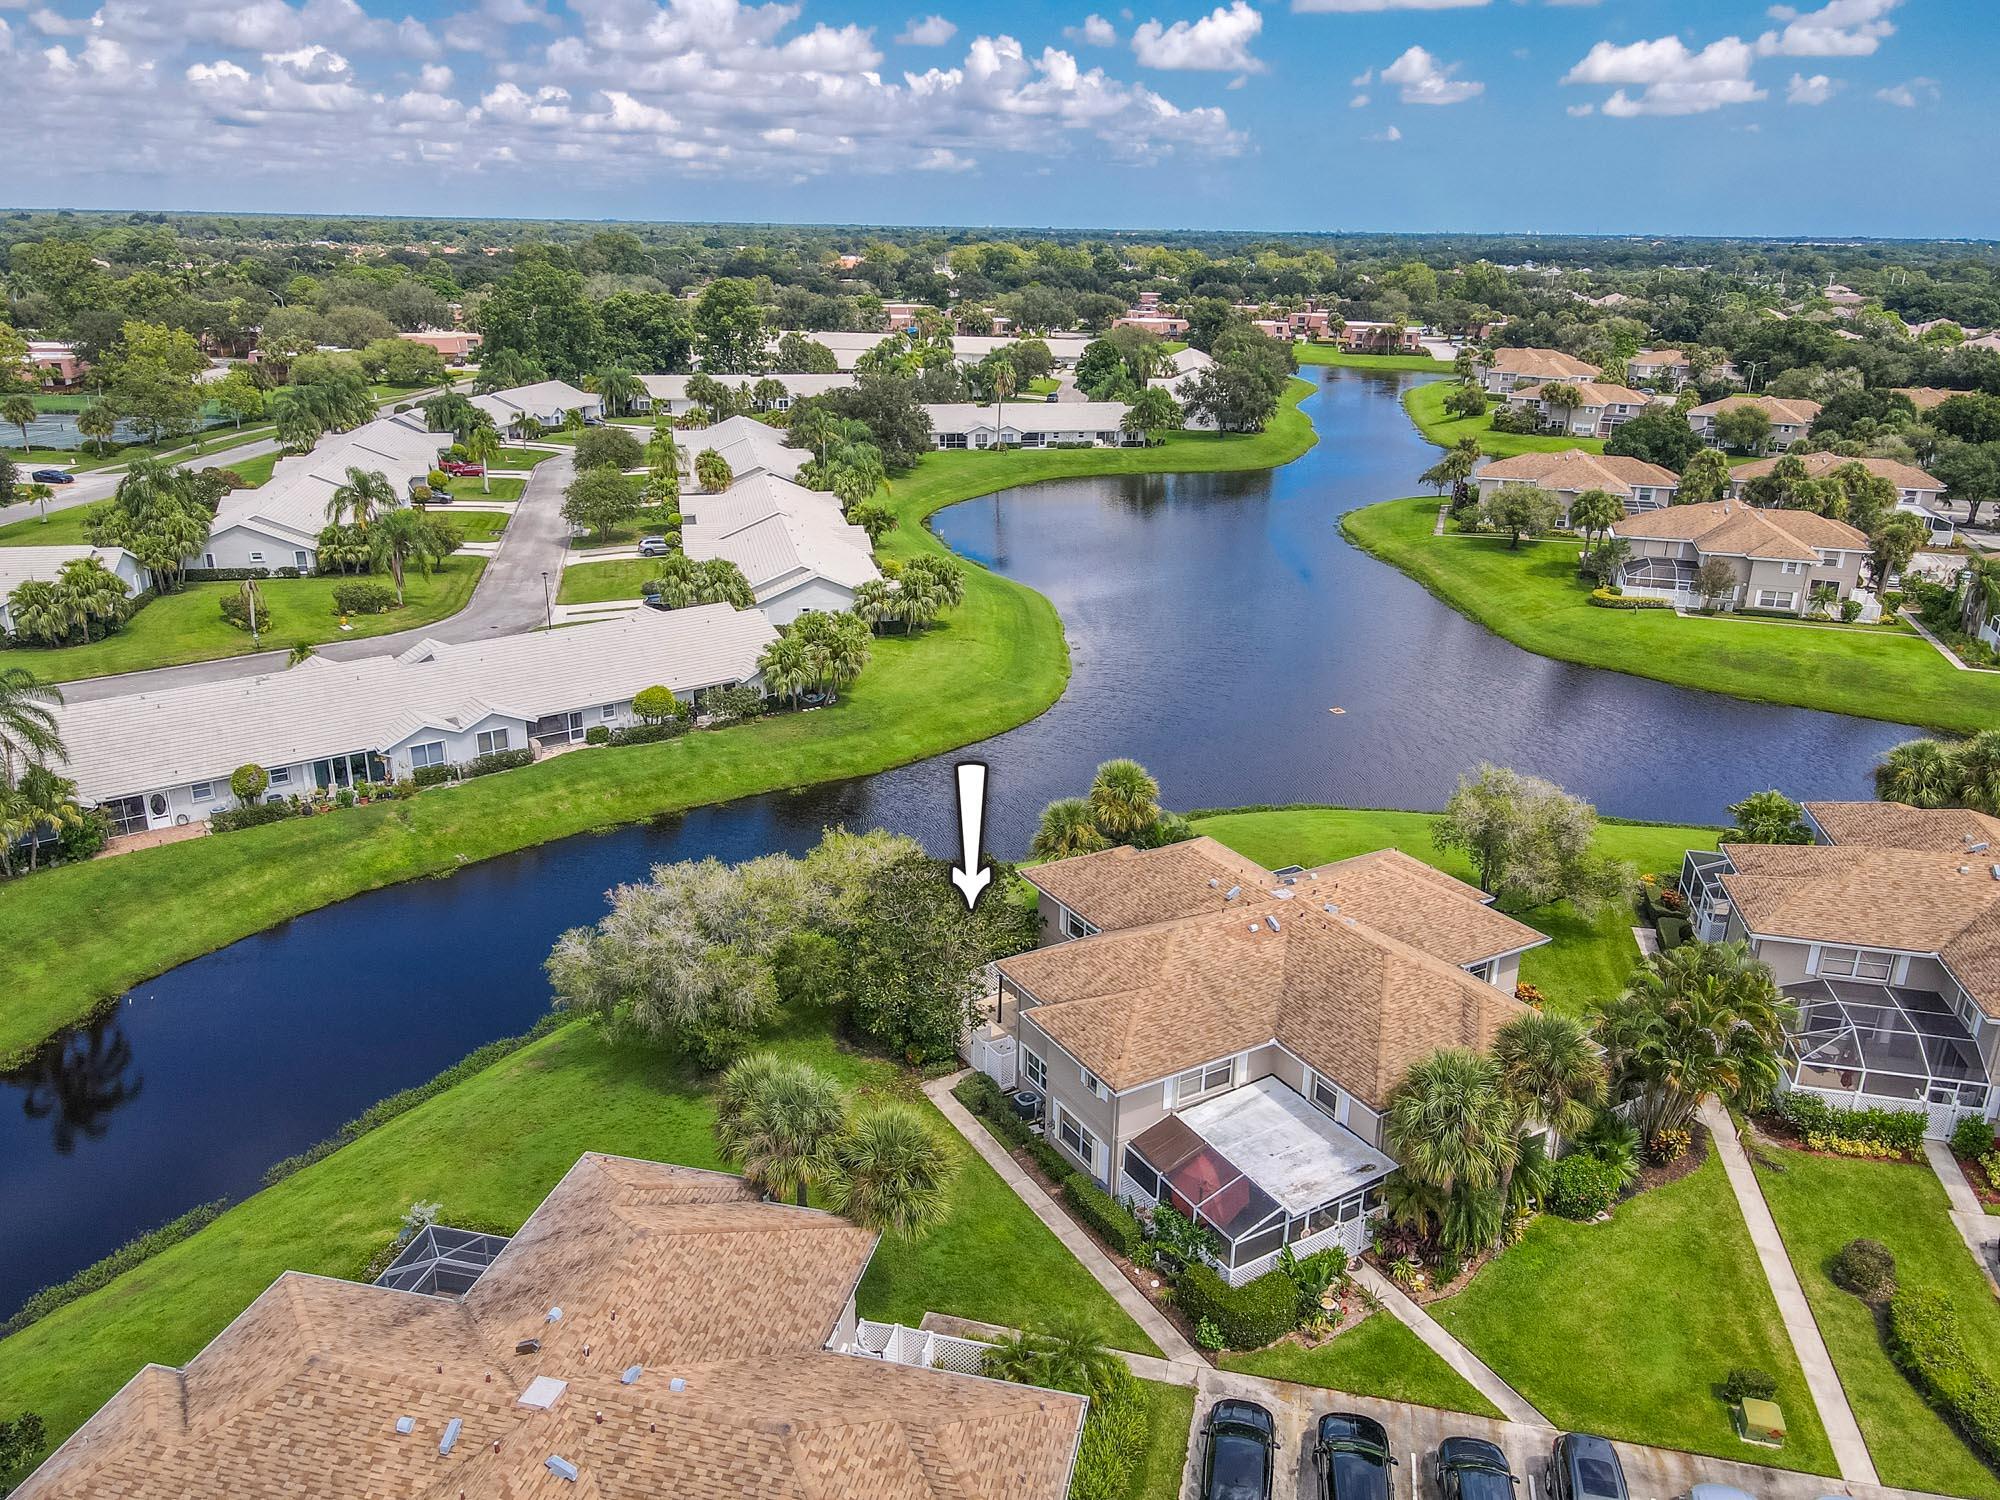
column 1850, row 1450
column 1979, row 1229
column 1476, row 1372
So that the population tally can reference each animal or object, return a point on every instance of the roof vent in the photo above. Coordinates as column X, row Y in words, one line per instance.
column 677, row 1385
column 1213, row 882
column 554, row 1315
column 1978, row 848
column 1996, row 872
column 1274, row 923
column 631, row 1375
column 1232, row 893
column 450, row 1438
column 528, row 1346
column 1254, row 927
column 1333, row 908
column 542, row 1392
column 406, row 1425
column 561, row 1467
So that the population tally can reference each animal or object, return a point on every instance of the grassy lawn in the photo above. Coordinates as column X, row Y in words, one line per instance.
column 1820, row 1204
column 1585, row 961
column 498, row 487
column 83, row 933
column 63, row 528
column 1629, row 1328
column 490, row 1149
column 188, row 626
column 1170, row 1423
column 475, row 525
column 1425, row 404
column 1328, row 354
column 597, row 582
column 648, row 520
column 1381, row 1358
column 1533, row 597
column 254, row 472
column 521, row 458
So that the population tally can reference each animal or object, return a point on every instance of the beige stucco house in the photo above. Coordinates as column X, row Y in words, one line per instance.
column 1511, row 367
column 1779, row 556
column 1885, row 933
column 1790, row 420
column 1599, row 411
column 1566, row 475
column 1219, row 1036
column 1665, row 368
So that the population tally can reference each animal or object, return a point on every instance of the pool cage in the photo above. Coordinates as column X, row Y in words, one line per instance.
column 442, row 1262
column 1880, row 1045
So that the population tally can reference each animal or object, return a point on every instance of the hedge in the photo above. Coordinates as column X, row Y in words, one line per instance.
column 1582, row 1187
column 222, row 575
column 433, row 775
column 117, row 1263
column 1852, row 1132
column 229, row 819
column 361, row 596
column 1116, row 1430
column 1249, row 1316
column 646, row 734
column 1115, row 1224
column 1926, row 1341
column 1605, row 599
column 496, row 760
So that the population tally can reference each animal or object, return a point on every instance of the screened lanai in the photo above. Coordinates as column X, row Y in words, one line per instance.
column 1857, row 1042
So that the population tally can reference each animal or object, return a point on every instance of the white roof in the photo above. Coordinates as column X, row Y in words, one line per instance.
column 1288, row 1148
column 18, row 565
column 542, row 396
column 780, row 534
column 1028, row 416
column 748, row 445
column 1187, row 361
column 674, row 387
column 293, row 500
column 145, row 741
column 848, row 347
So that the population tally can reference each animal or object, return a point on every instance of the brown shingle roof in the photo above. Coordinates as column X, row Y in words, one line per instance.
column 1544, row 364
column 682, row 1273
column 1418, row 904
column 1732, row 528
column 1127, row 887
column 1924, row 397
column 1589, row 393
column 1897, row 825
column 1659, row 357
column 1575, row 470
column 1781, row 412
column 1902, row 476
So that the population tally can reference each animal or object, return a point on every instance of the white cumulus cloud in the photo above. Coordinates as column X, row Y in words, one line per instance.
column 1391, row 133
column 1094, row 31
column 1814, row 90
column 927, row 31
column 1217, row 42
column 1672, row 78
column 1910, row 94
column 1840, row 28
column 1421, row 79
column 1357, row 7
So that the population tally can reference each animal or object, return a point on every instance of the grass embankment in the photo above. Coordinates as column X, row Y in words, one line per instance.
column 1629, row 1328
column 521, row 458
column 1585, row 961
column 83, row 933
column 1380, row 1357
column 1327, row 354
column 1533, row 597
column 1170, row 1424
column 1822, row 1202
column 188, row 626
column 489, row 1150
column 1425, row 404
column 255, row 472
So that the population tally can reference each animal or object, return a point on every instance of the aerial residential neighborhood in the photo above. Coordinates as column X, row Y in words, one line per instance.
column 810, row 752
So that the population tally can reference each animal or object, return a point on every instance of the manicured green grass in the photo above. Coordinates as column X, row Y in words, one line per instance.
column 188, row 626
column 1378, row 1358
column 1425, row 404
column 1170, row 1428
column 63, row 528
column 1822, row 1202
column 496, row 487
column 1533, row 597
column 1629, row 1328
column 254, row 472
column 474, row 525
column 1328, row 354
column 83, row 933
column 1046, row 386
column 489, row 1150
column 597, row 582
column 1584, row 962
column 383, row 392
column 521, row 458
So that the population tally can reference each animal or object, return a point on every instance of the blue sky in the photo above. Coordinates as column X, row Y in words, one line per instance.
column 1870, row 117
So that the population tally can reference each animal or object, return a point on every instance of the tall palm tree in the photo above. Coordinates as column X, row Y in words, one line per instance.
column 875, row 601
column 47, row 804
column 785, row 668
column 29, row 737
column 1124, row 798
column 1596, row 511
column 1978, row 763
column 1069, row 826
column 1551, row 1075
column 1449, row 1122
column 38, row 612
column 403, row 536
column 96, row 423
column 1922, row 773
column 482, row 446
column 20, row 410
column 89, row 591
column 781, row 1120
column 892, row 1172
column 366, row 494
column 618, row 388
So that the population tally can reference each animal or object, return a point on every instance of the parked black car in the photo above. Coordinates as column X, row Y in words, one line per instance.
column 1470, row 1468
column 52, row 476
column 1237, row 1450
column 1584, row 1467
column 1352, row 1455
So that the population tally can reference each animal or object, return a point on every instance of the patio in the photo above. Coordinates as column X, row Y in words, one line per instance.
column 1867, row 1044
column 1261, row 1169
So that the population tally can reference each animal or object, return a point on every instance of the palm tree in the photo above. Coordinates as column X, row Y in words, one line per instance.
column 482, row 446
column 1062, row 1356
column 573, row 421
column 36, row 607
column 781, row 1120
column 1551, row 1075
column 39, row 495
column 1596, row 511
column 1450, row 1124
column 618, row 388
column 253, row 606
column 20, row 410
column 45, row 802
column 366, row 494
column 96, row 423
column 298, row 429
column 1451, row 471
column 1922, row 773
column 1068, row 827
column 892, row 1172
column 784, row 667
column 875, row 601
column 1562, row 398
column 712, row 471
column 403, row 536
column 1978, row 764
column 29, row 735
column 89, row 591
column 1124, row 799
column 1699, row 1019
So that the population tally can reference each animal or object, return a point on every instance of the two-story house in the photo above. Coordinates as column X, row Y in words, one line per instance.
column 1598, row 411
column 1790, row 420
column 1511, row 367
column 1885, row 933
column 1667, row 369
column 1916, row 492
column 1640, row 486
column 1224, row 1038
column 1780, row 557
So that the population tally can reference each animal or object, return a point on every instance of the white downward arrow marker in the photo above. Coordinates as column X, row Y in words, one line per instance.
column 967, row 875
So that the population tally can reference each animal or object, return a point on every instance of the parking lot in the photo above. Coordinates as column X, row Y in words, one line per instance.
column 1415, row 1432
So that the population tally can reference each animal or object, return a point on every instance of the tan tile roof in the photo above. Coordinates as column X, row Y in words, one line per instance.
column 1781, row 412
column 1659, row 357
column 682, row 1273
column 1415, row 903
column 1919, row 901
column 1924, row 397
column 1897, row 825
column 1127, row 887
column 1732, row 528
column 1575, row 470
column 1356, row 1003
column 1589, row 392
column 1546, row 364
column 1902, row 476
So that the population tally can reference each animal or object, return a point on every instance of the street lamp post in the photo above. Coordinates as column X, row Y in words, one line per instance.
column 548, row 602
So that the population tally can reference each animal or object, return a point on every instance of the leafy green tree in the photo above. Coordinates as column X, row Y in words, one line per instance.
column 654, row 705
column 97, row 423
column 782, row 1121
column 798, row 355
column 618, row 388
column 1062, row 1355
column 1892, row 544
column 1705, row 478
column 1769, row 818
column 158, row 514
column 1978, row 763
column 648, row 331
column 1715, row 580
column 1551, row 1076
column 247, row 783
column 540, row 314
column 1746, row 428
column 1530, row 841
column 893, row 1173
column 148, row 379
column 1521, row 510
column 1658, row 435
column 1450, row 1125
column 1465, row 400
column 598, row 499
column 876, row 519
column 45, row 803
column 1451, row 472
column 1153, row 413
column 608, row 448
column 729, row 327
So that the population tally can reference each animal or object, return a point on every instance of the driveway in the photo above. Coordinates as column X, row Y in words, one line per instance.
column 511, row 597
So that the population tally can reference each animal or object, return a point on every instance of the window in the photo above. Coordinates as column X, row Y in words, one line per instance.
column 491, row 740
column 256, row 557
column 1205, row 1080
column 951, row 440
column 1777, row 599
column 281, row 776
column 1326, row 1095
column 1075, row 927
column 1095, row 1084
column 1829, row 559
column 1141, row 1173
column 1035, row 1070
column 1080, row 1142
column 301, row 560
column 1792, row 567
column 607, row 712
column 1855, row 963
column 202, row 791
column 430, row 753
column 208, row 559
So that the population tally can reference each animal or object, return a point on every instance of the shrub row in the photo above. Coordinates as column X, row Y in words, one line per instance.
column 1115, row 1433
column 647, row 734
column 255, row 815
column 434, row 775
column 363, row 596
column 1247, row 1316
column 225, row 575
column 1605, row 599
column 1115, row 1224
column 1852, row 1132
column 117, row 1263
column 496, row 760
column 1926, row 1341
